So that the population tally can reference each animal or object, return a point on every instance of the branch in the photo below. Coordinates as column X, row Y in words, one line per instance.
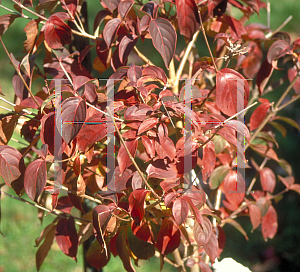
column 142, row 56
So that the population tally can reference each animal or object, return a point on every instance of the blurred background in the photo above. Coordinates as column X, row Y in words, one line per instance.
column 20, row 225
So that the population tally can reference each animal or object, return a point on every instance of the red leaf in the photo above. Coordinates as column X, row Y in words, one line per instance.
column 161, row 169
column 255, row 216
column 111, row 4
column 136, row 205
column 168, row 237
column 126, row 45
column 202, row 232
column 29, row 103
column 188, row 17
column 5, row 21
column 267, row 179
column 164, row 38
column 287, row 181
column 254, row 4
column 110, row 30
column 7, row 126
column 259, row 115
column 93, row 130
column 149, row 145
column 66, row 237
column 57, row 32
column 228, row 95
column 263, row 75
column 64, row 204
column 180, row 210
column 295, row 187
column 269, row 223
column 292, row 73
column 71, row 5
column 240, row 127
column 251, row 63
column 123, row 158
column 142, row 232
column 236, row 27
column 31, row 30
column 169, row 183
column 9, row 163
column 208, row 160
column 73, row 115
column 148, row 124
column 234, row 187
column 35, row 178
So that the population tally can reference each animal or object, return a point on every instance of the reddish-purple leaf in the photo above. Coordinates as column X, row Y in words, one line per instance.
column 123, row 158
column 48, row 130
column 236, row 27
column 156, row 73
column 161, row 169
column 138, row 112
column 5, row 21
column 29, row 103
column 48, row 234
column 278, row 49
column 118, row 183
column 267, row 179
column 73, row 115
column 137, row 182
column 64, row 204
column 212, row 247
column 96, row 256
column 164, row 38
column 41, row 152
column 124, row 7
column 295, row 187
column 35, row 178
column 259, row 115
column 134, row 73
column 254, row 4
column 9, row 163
column 165, row 148
column 251, row 63
column 111, row 4
column 110, row 30
column 168, row 237
column 101, row 216
column 188, row 17
column 57, row 32
column 136, row 205
column 19, row 87
column 66, row 237
column 255, row 216
column 230, row 93
column 269, row 223
column 208, row 160
column 202, row 232
column 180, row 210
column 126, row 45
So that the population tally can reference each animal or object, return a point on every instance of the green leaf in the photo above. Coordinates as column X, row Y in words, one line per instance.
column 288, row 121
column 218, row 176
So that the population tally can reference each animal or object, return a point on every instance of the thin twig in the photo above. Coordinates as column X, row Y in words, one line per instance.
column 255, row 177
column 131, row 158
column 183, row 61
column 142, row 56
column 280, row 27
column 29, row 10
column 55, row 212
